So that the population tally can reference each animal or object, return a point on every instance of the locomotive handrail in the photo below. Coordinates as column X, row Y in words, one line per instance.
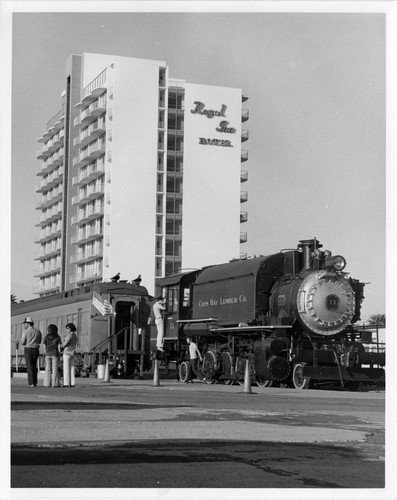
column 204, row 320
column 249, row 328
column 103, row 342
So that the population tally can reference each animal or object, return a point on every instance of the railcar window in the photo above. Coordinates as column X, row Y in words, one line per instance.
column 186, row 297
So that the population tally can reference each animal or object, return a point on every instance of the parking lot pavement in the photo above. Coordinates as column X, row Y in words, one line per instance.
column 134, row 434
column 136, row 410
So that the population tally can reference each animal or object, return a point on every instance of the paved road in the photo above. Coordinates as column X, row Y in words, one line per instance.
column 132, row 434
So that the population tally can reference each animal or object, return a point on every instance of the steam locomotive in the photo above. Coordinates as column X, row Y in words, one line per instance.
column 290, row 314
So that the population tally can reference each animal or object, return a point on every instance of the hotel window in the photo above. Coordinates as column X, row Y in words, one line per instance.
column 173, row 247
column 174, row 206
column 160, row 182
column 174, row 185
column 176, row 98
column 175, row 121
column 159, row 224
column 172, row 267
column 159, row 208
column 174, row 227
column 175, row 143
column 159, row 245
column 162, row 73
column 159, row 265
column 174, row 164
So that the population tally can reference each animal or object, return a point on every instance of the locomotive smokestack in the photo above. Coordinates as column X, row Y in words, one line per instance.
column 308, row 247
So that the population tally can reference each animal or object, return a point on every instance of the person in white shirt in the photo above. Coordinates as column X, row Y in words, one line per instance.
column 194, row 355
column 158, row 308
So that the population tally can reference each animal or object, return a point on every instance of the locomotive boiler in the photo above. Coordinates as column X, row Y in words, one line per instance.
column 291, row 314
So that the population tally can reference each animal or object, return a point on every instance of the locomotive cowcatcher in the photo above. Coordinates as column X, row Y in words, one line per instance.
column 291, row 314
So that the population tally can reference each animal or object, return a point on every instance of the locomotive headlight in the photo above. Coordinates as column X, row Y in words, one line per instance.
column 339, row 263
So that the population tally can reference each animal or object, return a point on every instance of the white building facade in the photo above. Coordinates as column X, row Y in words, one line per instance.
column 139, row 174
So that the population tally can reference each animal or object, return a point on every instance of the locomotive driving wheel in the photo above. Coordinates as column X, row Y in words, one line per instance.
column 299, row 381
column 263, row 382
column 208, row 367
column 184, row 371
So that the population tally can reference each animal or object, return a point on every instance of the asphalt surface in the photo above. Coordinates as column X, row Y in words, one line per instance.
column 135, row 434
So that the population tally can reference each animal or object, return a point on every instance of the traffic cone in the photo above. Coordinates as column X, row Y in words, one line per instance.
column 106, row 378
column 156, row 381
column 247, row 379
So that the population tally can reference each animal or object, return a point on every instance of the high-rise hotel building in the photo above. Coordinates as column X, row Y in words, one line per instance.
column 139, row 173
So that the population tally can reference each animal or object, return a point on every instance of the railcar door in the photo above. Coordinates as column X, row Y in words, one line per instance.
column 127, row 341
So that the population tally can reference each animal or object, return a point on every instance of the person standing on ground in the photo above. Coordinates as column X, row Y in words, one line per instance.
column 52, row 342
column 31, row 339
column 69, row 347
column 194, row 355
column 158, row 308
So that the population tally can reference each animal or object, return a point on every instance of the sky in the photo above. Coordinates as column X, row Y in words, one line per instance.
column 316, row 83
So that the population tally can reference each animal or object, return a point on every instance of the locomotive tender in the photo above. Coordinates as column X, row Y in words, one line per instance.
column 291, row 314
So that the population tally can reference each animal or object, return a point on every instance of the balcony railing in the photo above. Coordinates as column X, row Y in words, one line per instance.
column 245, row 115
column 243, row 237
column 243, row 217
column 244, row 155
column 244, row 176
column 244, row 135
column 243, row 196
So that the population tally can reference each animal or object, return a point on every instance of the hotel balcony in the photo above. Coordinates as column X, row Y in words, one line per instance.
column 243, row 196
column 244, row 135
column 82, row 257
column 47, row 201
column 50, row 163
column 244, row 155
column 87, row 216
column 86, row 236
column 243, row 217
column 49, row 272
column 48, row 235
column 80, row 280
column 53, row 179
column 53, row 126
column 243, row 238
column 244, row 98
column 245, row 115
column 86, row 197
column 50, row 215
column 244, row 176
column 92, row 151
column 243, row 256
column 89, row 174
column 48, row 253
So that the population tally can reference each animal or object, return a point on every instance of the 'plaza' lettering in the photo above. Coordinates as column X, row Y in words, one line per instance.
column 215, row 142
column 209, row 113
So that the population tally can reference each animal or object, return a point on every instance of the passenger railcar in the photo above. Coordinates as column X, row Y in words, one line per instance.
column 291, row 314
column 117, row 331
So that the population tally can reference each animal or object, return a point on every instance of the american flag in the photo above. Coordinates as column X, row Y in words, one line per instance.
column 103, row 306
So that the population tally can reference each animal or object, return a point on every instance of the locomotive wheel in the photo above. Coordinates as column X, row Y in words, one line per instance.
column 208, row 368
column 264, row 383
column 299, row 381
column 240, row 370
column 184, row 370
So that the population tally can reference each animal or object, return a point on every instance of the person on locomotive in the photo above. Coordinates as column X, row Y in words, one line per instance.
column 52, row 342
column 194, row 355
column 31, row 339
column 157, row 310
column 69, row 347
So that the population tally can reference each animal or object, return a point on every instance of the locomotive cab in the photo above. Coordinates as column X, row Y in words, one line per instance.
column 177, row 291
